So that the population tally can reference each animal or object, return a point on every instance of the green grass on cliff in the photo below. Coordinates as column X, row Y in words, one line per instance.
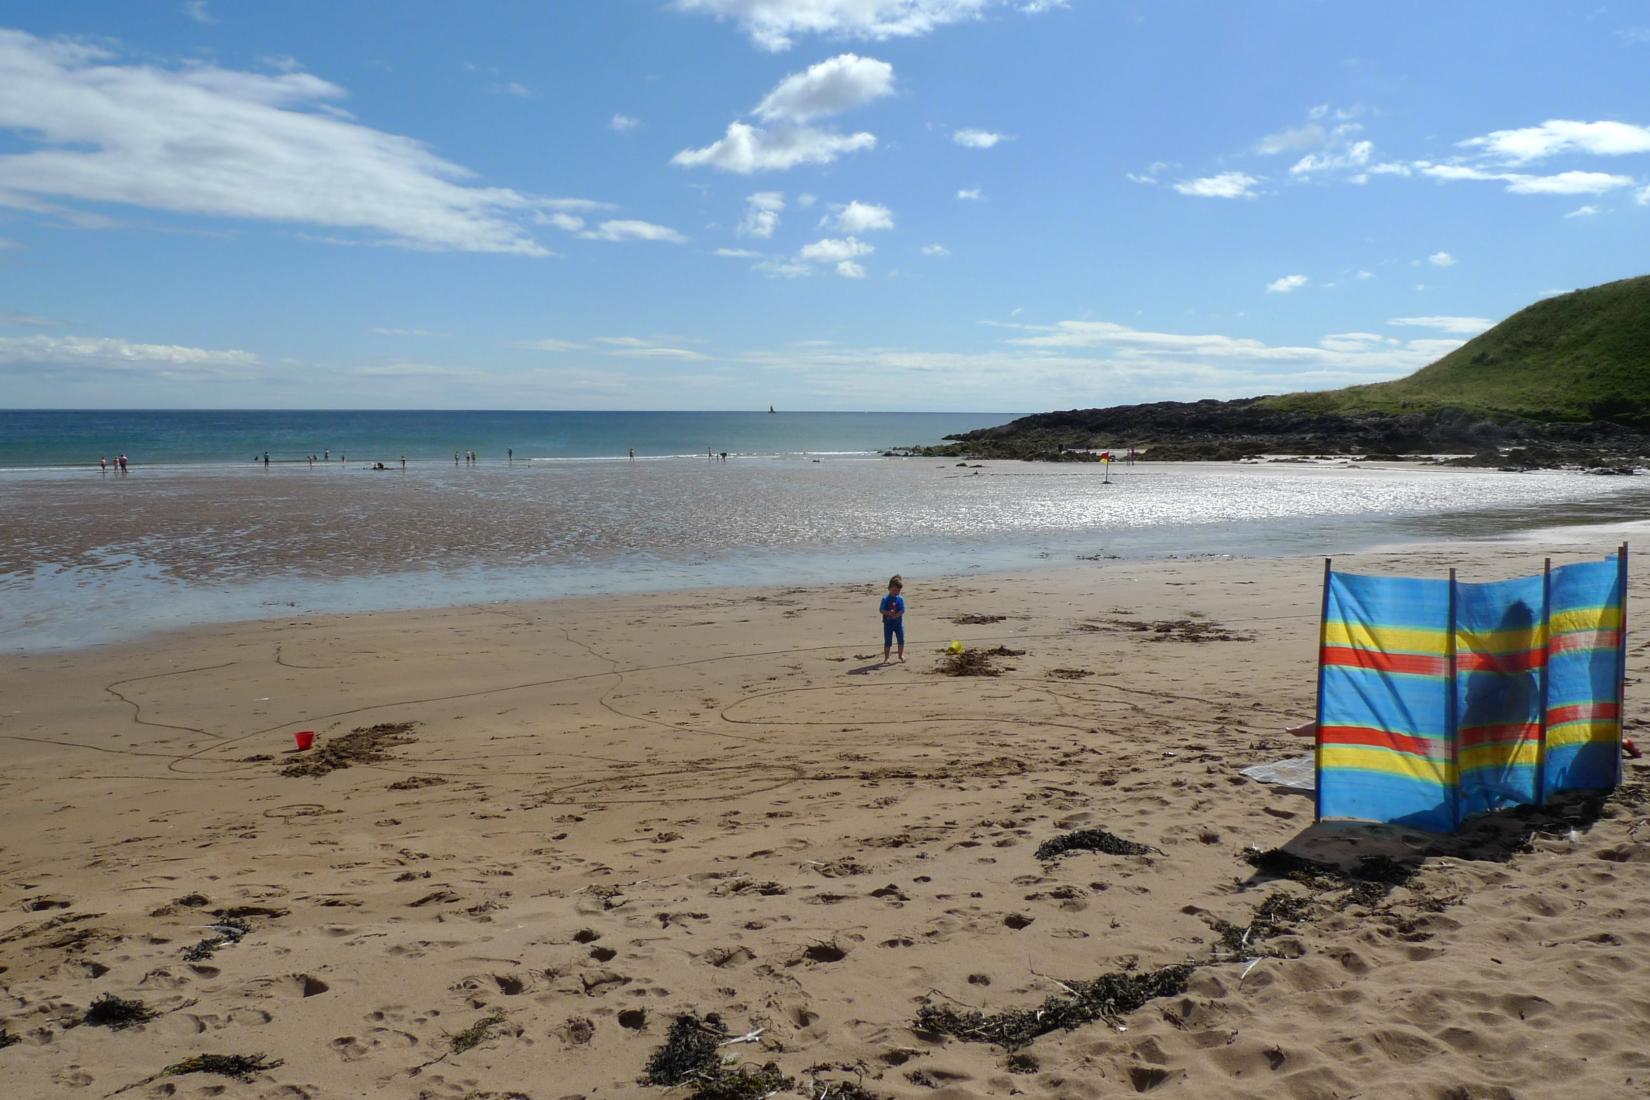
column 1579, row 356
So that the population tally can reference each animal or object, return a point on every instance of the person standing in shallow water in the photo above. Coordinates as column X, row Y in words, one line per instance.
column 892, row 610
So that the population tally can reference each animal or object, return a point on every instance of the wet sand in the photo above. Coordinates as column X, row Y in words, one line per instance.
column 613, row 811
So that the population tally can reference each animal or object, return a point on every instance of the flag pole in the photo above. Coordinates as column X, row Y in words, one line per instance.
column 1452, row 718
column 1546, row 677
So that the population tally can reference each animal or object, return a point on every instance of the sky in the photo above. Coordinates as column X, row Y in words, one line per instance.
column 971, row 205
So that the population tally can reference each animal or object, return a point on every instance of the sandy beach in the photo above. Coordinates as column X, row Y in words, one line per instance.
column 603, row 813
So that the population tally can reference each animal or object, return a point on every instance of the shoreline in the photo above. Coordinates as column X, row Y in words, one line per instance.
column 608, row 811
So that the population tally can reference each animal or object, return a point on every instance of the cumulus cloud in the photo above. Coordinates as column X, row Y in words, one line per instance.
column 624, row 123
column 1226, row 185
column 976, row 139
column 935, row 250
column 1441, row 259
column 1555, row 136
column 835, row 249
column 1456, row 326
column 970, row 194
column 831, row 87
column 861, row 217
column 762, row 211
column 745, row 149
column 848, row 269
column 1288, row 284
column 738, row 253
column 629, row 229
column 196, row 10
column 1353, row 155
column 1586, row 211
column 1293, row 139
column 776, row 24
column 205, row 140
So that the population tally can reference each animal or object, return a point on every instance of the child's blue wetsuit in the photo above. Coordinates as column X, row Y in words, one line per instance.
column 893, row 628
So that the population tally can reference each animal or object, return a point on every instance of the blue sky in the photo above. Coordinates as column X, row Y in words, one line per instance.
column 820, row 204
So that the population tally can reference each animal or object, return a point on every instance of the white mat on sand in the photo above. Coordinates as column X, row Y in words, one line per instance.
column 1298, row 772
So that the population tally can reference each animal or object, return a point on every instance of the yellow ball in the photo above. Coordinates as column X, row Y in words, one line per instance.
column 955, row 646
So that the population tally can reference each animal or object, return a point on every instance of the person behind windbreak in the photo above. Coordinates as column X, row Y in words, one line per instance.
column 892, row 610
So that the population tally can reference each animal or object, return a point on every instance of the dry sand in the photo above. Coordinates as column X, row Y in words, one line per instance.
column 617, row 810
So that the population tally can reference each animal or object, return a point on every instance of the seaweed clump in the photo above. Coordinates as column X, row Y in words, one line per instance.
column 1092, row 840
column 239, row 1066
column 7, row 1039
column 477, row 1033
column 1275, row 916
column 691, row 1055
column 116, row 1013
column 975, row 662
column 362, row 745
column 1109, row 997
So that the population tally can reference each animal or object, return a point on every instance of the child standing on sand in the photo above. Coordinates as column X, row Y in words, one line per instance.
column 892, row 609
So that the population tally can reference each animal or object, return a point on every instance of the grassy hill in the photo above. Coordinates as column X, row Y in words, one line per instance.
column 1580, row 356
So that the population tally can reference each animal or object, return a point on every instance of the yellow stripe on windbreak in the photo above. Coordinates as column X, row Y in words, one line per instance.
column 1388, row 763
column 1585, row 618
column 1385, row 639
column 1500, row 641
column 1498, row 756
column 1586, row 731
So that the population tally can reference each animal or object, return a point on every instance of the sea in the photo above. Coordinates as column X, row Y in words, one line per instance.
column 193, row 437
column 200, row 531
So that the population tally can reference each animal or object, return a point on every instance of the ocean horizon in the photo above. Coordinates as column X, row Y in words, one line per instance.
column 79, row 437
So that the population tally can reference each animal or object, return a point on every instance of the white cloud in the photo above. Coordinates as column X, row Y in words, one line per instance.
column 551, row 344
column 976, row 139
column 1226, row 185
column 1583, row 211
column 835, row 250
column 1643, row 197
column 1353, row 155
column 623, row 123
column 1455, row 326
column 1288, row 284
column 745, row 149
column 629, row 229
column 28, row 320
column 402, row 332
column 1365, row 274
column 776, row 24
column 1563, row 136
column 784, row 267
column 831, row 87
column 1441, row 259
column 850, row 270
column 99, row 353
column 512, row 87
column 738, row 253
column 1292, row 140
column 196, row 10
column 971, row 194
column 762, row 211
column 1390, row 168
column 572, row 223
column 1561, row 183
column 935, row 250
column 227, row 143
column 862, row 217
column 635, row 347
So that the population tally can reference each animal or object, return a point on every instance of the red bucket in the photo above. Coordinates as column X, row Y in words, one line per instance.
column 305, row 739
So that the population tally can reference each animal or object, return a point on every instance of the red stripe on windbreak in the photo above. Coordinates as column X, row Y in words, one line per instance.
column 1500, row 662
column 1586, row 639
column 1414, row 664
column 1579, row 711
column 1382, row 739
column 1499, row 734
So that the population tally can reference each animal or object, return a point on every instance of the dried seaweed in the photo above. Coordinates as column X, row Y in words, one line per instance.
column 741, row 1083
column 239, row 1066
column 1109, row 997
column 1379, row 869
column 7, row 1039
column 477, row 1033
column 362, row 745
column 977, row 620
column 975, row 662
column 1275, row 916
column 116, row 1013
column 1092, row 840
column 689, row 1050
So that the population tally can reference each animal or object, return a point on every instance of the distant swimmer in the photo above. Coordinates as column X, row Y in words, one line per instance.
column 633, row 454
column 121, row 461
column 266, row 460
column 724, row 456
column 103, row 463
column 455, row 458
column 509, row 454
column 403, row 462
